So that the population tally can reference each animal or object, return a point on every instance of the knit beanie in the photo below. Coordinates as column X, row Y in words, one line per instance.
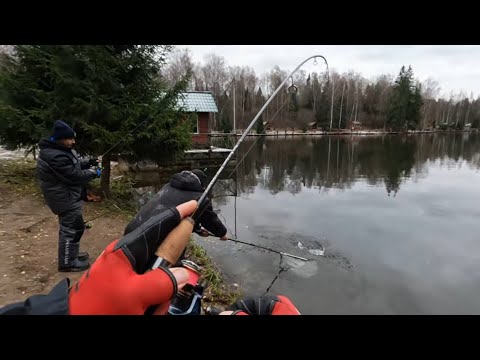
column 62, row 131
column 201, row 175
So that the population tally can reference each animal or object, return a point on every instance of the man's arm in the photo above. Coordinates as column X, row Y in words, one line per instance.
column 87, row 163
column 64, row 167
column 212, row 223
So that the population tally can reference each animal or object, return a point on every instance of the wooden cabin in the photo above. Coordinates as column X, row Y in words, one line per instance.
column 356, row 126
column 202, row 104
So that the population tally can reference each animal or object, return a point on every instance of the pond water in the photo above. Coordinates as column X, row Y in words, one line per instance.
column 397, row 218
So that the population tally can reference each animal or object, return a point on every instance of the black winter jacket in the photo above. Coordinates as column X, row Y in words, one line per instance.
column 54, row 303
column 183, row 187
column 62, row 176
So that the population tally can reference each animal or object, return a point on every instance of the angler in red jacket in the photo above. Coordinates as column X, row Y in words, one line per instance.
column 118, row 284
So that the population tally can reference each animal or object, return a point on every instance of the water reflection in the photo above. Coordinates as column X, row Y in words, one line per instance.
column 292, row 164
column 396, row 215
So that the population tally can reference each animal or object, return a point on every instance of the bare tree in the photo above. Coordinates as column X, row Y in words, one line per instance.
column 459, row 111
column 181, row 62
column 276, row 77
column 368, row 101
column 214, row 73
column 469, row 106
column 450, row 102
column 430, row 91
column 198, row 80
column 341, row 105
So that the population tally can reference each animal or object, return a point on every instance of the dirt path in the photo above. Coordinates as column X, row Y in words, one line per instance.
column 28, row 243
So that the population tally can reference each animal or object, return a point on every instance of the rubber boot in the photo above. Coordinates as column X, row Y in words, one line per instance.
column 68, row 258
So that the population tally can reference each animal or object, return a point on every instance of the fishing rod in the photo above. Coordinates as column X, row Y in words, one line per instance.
column 263, row 247
column 272, row 250
column 174, row 244
column 247, row 130
column 96, row 217
column 123, row 138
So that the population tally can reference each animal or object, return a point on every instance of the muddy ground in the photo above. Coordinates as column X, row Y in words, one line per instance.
column 28, row 243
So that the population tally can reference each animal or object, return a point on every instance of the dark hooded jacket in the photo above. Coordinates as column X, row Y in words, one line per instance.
column 62, row 176
column 53, row 303
column 183, row 187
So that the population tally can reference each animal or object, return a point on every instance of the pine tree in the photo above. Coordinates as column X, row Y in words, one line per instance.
column 259, row 99
column 415, row 105
column 225, row 123
column 103, row 92
column 259, row 125
column 406, row 101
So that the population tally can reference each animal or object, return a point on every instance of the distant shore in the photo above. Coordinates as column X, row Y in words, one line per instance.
column 341, row 132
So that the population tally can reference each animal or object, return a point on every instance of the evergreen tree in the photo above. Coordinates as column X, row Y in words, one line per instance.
column 405, row 102
column 103, row 92
column 225, row 124
column 259, row 99
column 414, row 108
column 259, row 125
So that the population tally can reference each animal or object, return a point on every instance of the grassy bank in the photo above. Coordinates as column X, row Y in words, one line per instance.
column 21, row 175
column 217, row 292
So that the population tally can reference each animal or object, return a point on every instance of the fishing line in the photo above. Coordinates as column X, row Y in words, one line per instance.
column 281, row 253
column 268, row 123
column 204, row 195
column 123, row 138
column 251, row 147
column 226, row 224
column 282, row 269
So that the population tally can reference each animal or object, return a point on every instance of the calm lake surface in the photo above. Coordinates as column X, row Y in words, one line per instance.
column 398, row 218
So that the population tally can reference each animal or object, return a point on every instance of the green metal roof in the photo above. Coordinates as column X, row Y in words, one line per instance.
column 198, row 101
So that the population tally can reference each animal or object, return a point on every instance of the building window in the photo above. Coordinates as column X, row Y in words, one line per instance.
column 195, row 123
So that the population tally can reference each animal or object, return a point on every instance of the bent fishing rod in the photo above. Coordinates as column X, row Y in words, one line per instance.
column 174, row 244
column 247, row 130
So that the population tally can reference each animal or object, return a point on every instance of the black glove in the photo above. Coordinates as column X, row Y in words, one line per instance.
column 264, row 305
column 93, row 161
column 140, row 245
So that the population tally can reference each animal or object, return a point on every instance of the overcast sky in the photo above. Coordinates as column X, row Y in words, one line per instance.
column 454, row 67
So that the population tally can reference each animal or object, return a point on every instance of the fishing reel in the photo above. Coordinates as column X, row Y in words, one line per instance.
column 292, row 91
column 99, row 163
column 98, row 167
column 187, row 301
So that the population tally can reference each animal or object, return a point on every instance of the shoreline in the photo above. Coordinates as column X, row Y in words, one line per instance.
column 27, row 227
column 283, row 133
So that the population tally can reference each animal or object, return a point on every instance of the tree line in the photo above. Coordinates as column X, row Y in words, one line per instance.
column 105, row 92
column 337, row 101
column 339, row 162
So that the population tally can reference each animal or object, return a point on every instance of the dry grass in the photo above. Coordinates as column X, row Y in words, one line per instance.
column 217, row 292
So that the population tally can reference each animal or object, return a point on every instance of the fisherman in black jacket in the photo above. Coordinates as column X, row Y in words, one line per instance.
column 62, row 176
column 183, row 186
